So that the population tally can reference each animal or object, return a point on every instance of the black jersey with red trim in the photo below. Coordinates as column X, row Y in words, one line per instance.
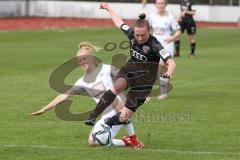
column 186, row 5
column 149, row 52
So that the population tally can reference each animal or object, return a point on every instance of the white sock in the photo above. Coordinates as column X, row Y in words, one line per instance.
column 163, row 85
column 118, row 142
column 129, row 128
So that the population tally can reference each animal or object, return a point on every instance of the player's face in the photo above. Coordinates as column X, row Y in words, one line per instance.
column 141, row 34
column 86, row 61
column 161, row 5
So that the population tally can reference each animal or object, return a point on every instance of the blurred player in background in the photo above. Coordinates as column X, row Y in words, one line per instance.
column 166, row 29
column 187, row 22
column 138, row 74
column 96, row 80
column 144, row 3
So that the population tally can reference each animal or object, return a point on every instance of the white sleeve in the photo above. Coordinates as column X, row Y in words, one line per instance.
column 78, row 87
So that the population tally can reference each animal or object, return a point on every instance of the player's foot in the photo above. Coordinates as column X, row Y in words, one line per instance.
column 137, row 145
column 90, row 121
column 133, row 141
column 191, row 55
column 162, row 97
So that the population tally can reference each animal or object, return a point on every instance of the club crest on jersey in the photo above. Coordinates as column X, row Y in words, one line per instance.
column 146, row 49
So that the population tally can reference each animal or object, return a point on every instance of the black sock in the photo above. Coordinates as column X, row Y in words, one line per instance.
column 104, row 102
column 114, row 120
column 193, row 46
column 177, row 46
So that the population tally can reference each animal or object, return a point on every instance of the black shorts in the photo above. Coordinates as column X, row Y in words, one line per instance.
column 189, row 25
column 140, row 80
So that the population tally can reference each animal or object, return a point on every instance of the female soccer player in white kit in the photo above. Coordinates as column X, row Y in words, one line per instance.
column 96, row 80
column 166, row 29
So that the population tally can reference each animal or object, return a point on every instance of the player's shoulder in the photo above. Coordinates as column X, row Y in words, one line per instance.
column 106, row 67
column 155, row 44
column 170, row 15
column 153, row 15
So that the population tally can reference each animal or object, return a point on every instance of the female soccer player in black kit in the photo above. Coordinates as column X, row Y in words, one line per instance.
column 140, row 72
column 187, row 22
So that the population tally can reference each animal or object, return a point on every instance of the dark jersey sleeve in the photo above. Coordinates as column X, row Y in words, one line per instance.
column 128, row 31
column 161, row 52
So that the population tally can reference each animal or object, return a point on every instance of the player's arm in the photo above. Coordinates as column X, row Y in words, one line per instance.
column 171, row 68
column 175, row 27
column 174, row 37
column 191, row 13
column 115, row 18
column 58, row 100
column 167, row 59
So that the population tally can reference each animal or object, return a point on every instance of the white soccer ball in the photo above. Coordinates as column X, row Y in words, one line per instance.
column 102, row 134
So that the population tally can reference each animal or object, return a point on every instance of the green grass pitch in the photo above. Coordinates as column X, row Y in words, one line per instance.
column 199, row 121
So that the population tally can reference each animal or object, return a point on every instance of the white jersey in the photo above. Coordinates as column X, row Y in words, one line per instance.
column 97, row 83
column 163, row 27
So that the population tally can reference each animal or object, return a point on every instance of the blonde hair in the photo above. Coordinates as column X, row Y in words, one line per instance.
column 90, row 48
column 87, row 46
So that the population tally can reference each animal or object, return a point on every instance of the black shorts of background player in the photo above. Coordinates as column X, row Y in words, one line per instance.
column 187, row 22
column 139, row 73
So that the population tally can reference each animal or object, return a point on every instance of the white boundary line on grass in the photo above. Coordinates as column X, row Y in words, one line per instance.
column 101, row 148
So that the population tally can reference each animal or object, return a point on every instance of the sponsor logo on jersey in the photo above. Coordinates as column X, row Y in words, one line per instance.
column 146, row 49
column 138, row 56
column 98, row 89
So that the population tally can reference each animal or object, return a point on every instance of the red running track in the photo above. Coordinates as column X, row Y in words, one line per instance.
column 51, row 23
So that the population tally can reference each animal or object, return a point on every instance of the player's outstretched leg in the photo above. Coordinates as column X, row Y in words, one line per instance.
column 104, row 102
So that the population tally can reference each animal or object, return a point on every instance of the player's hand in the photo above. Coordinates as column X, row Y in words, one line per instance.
column 41, row 111
column 168, row 75
column 168, row 40
column 104, row 6
column 183, row 13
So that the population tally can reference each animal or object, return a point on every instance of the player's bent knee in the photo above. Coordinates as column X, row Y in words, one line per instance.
column 119, row 86
column 91, row 142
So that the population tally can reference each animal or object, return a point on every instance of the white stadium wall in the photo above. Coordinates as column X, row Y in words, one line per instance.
column 76, row 9
column 12, row 8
